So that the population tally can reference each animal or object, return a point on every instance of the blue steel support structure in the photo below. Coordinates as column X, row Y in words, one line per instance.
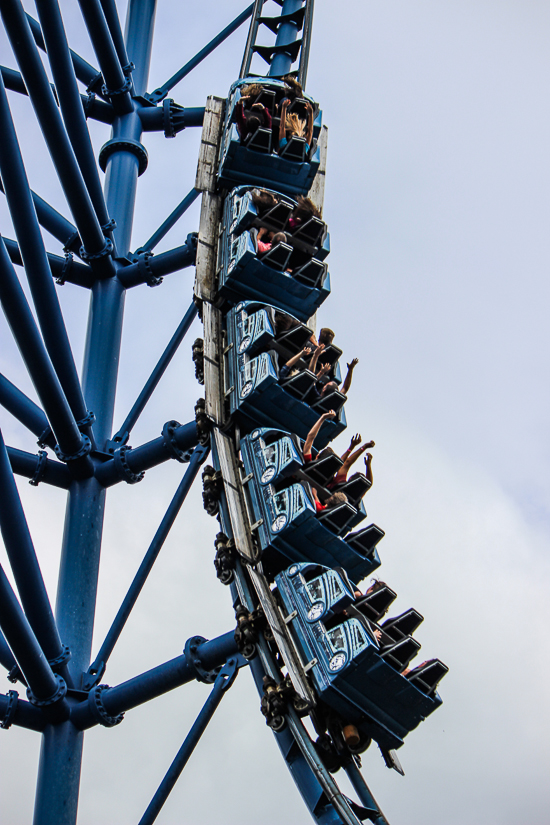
column 49, row 650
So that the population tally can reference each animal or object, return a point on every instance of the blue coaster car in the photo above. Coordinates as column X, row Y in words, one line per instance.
column 240, row 213
column 257, row 160
column 291, row 275
column 256, row 396
column 288, row 526
column 352, row 673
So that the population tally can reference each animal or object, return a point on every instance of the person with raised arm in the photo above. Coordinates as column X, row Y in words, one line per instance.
column 292, row 125
column 314, row 432
column 285, row 370
column 347, row 380
column 349, row 458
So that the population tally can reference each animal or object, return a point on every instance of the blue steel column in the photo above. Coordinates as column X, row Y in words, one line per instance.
column 61, row 752
column 287, row 33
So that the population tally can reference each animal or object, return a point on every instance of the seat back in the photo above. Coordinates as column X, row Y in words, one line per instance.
column 277, row 217
column 375, row 604
column 403, row 625
column 400, row 654
column 278, row 256
column 364, row 541
column 337, row 518
column 427, row 675
column 311, row 232
column 260, row 140
column 355, row 488
column 267, row 99
column 323, row 469
column 295, row 149
column 312, row 273
column 299, row 385
column 329, row 401
column 294, row 339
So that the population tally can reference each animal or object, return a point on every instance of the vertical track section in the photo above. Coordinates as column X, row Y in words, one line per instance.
column 326, row 803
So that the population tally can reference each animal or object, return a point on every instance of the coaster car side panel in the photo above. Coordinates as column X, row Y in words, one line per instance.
column 350, row 675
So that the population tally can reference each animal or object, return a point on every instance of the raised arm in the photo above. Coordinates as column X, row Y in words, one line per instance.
column 368, row 468
column 355, row 441
column 295, row 358
column 352, row 457
column 347, row 381
column 312, row 434
column 313, row 363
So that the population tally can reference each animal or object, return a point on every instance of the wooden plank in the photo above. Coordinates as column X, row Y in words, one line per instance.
column 283, row 639
column 207, row 247
column 317, row 191
column 213, row 363
column 234, row 496
column 210, row 143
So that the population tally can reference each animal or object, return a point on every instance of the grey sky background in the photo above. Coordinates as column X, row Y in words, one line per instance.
column 437, row 203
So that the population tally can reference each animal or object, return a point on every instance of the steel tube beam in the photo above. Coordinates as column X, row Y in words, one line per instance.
column 36, row 359
column 24, row 564
column 56, row 137
column 107, row 57
column 33, row 253
column 63, row 269
column 148, row 455
column 287, row 34
column 156, row 375
column 25, row 716
column 13, row 80
column 86, row 74
column 58, row 226
column 113, row 21
column 39, row 468
column 171, row 220
column 153, row 118
column 157, row 681
column 70, row 102
column 7, row 658
column 22, row 408
column 140, row 23
column 224, row 679
column 60, row 759
column 23, row 643
column 97, row 109
column 159, row 265
column 162, row 91
column 100, row 662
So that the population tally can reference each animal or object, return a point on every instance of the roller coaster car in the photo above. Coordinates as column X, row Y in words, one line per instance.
column 240, row 214
column 288, row 526
column 287, row 276
column 351, row 672
column 256, row 396
column 256, row 160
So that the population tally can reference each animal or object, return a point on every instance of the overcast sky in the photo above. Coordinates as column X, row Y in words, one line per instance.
column 437, row 204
